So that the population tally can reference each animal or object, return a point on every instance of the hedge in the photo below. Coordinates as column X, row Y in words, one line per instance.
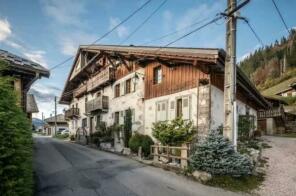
column 16, row 172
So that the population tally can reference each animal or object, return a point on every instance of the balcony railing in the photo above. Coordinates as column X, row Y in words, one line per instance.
column 276, row 112
column 102, row 78
column 72, row 112
column 99, row 103
column 79, row 91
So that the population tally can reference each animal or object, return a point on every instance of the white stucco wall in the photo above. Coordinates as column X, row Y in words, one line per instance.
column 133, row 100
column 217, row 111
column 150, row 108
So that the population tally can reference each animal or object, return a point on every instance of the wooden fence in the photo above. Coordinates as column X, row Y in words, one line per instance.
column 171, row 153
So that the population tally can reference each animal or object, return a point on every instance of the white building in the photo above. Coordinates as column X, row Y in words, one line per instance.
column 156, row 84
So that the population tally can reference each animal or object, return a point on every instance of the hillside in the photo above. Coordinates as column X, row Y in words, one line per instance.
column 272, row 64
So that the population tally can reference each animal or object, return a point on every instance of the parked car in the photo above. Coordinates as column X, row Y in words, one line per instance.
column 65, row 132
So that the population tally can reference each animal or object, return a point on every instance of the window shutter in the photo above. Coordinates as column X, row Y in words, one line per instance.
column 121, row 117
column 185, row 108
column 122, row 88
column 172, row 110
column 133, row 85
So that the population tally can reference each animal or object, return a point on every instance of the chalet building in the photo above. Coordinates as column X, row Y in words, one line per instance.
column 289, row 91
column 157, row 84
column 25, row 73
column 49, row 127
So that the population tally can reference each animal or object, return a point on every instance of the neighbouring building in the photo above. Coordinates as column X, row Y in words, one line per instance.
column 25, row 73
column 49, row 127
column 158, row 84
column 289, row 91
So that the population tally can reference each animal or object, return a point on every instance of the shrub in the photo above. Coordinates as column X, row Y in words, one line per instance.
column 127, row 127
column 138, row 140
column 217, row 156
column 174, row 132
column 16, row 173
column 72, row 137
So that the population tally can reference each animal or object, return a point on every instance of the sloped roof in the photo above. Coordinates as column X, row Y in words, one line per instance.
column 31, row 104
column 60, row 119
column 211, row 55
column 20, row 63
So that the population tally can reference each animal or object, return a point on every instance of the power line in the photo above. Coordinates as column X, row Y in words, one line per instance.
column 107, row 33
column 281, row 16
column 174, row 32
column 144, row 22
column 193, row 31
column 253, row 31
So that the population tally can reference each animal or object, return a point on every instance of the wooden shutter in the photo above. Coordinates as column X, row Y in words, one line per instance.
column 122, row 88
column 121, row 117
column 186, row 107
column 133, row 88
column 172, row 110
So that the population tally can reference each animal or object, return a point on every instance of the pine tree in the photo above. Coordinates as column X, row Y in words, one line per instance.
column 217, row 156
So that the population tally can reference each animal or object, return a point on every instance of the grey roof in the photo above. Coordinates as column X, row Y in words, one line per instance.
column 22, row 63
column 60, row 119
column 31, row 106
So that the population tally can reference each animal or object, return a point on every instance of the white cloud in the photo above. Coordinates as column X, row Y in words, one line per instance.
column 200, row 12
column 65, row 12
column 36, row 56
column 13, row 44
column 121, row 31
column 248, row 53
column 5, row 29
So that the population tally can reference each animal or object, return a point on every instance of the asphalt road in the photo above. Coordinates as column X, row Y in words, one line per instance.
column 63, row 168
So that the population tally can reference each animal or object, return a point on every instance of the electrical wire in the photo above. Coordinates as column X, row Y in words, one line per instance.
column 281, row 16
column 107, row 33
column 144, row 22
column 254, row 32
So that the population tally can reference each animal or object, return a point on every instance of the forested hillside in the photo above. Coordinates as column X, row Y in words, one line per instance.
column 271, row 64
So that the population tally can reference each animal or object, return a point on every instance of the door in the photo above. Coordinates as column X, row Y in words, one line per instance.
column 91, row 127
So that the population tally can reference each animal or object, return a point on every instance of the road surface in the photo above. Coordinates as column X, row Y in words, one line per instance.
column 63, row 168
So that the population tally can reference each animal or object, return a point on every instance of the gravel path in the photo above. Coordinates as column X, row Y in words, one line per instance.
column 281, row 173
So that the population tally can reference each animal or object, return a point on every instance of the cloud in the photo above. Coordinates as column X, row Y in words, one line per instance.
column 66, row 12
column 121, row 31
column 5, row 29
column 44, row 94
column 36, row 56
column 13, row 44
column 246, row 55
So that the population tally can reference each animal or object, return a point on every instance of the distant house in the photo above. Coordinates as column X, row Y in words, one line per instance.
column 25, row 73
column 49, row 127
column 289, row 91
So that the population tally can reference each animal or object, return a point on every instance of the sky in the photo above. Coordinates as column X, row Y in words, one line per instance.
column 50, row 31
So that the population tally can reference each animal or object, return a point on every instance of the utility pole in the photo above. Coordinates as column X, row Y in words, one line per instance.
column 230, row 109
column 55, row 115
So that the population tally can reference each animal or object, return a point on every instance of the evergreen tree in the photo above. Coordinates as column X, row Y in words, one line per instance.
column 217, row 156
column 127, row 128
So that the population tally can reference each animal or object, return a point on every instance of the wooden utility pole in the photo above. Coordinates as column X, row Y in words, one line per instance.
column 230, row 109
column 55, row 115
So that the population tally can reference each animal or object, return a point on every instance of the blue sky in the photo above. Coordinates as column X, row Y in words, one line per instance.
column 49, row 31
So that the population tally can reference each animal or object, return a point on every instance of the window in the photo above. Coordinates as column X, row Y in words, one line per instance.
column 182, row 107
column 117, row 90
column 157, row 75
column 84, row 122
column 128, row 86
column 116, row 120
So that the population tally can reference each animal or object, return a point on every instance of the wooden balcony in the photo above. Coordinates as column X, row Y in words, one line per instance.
column 272, row 113
column 102, row 78
column 79, row 91
column 72, row 112
column 97, row 104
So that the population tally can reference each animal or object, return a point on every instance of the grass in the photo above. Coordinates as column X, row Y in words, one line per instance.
column 241, row 184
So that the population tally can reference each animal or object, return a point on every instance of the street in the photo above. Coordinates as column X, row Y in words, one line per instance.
column 63, row 168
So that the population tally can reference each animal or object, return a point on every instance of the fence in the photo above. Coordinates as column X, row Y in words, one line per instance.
column 171, row 154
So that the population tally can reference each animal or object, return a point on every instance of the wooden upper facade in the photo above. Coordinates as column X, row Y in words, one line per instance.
column 167, row 71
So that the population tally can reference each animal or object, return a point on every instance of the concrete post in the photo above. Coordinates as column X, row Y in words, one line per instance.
column 184, row 154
